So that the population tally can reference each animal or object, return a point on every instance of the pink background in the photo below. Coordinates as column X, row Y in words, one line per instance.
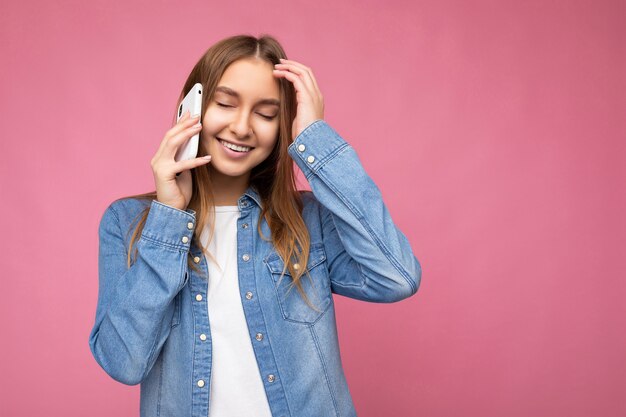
column 495, row 131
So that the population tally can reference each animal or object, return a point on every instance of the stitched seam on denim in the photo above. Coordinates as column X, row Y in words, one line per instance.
column 178, row 212
column 151, row 354
column 311, row 126
column 282, row 301
column 292, row 145
column 330, row 295
column 177, row 308
column 119, row 227
column 321, row 356
column 342, row 148
column 364, row 284
column 156, row 339
column 160, row 391
column 323, row 312
column 183, row 267
column 365, row 225
column 193, row 349
column 171, row 247
column 273, row 258
column 364, row 278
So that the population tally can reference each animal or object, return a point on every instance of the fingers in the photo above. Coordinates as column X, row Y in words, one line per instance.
column 166, row 170
column 173, row 143
column 183, row 123
column 295, row 79
column 302, row 70
column 192, row 163
column 164, row 159
column 177, row 135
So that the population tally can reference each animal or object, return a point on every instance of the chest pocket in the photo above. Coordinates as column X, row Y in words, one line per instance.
column 292, row 304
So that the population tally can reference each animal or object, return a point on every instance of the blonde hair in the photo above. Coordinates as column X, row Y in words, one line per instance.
column 273, row 178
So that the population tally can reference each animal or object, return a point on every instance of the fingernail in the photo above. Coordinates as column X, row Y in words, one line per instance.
column 206, row 157
column 281, row 59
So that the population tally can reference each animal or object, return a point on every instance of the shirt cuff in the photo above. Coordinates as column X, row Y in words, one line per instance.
column 317, row 144
column 169, row 226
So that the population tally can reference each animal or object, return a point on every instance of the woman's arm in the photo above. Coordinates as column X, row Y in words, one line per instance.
column 369, row 257
column 135, row 305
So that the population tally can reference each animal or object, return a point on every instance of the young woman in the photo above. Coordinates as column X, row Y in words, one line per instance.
column 196, row 280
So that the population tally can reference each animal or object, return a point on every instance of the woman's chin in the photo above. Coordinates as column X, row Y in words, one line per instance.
column 228, row 168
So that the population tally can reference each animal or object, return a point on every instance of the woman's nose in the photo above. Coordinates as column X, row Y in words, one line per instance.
column 240, row 126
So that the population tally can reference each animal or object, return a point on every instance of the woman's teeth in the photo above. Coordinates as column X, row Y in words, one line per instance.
column 234, row 147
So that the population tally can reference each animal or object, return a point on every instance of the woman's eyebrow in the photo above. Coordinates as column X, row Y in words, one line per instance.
column 231, row 92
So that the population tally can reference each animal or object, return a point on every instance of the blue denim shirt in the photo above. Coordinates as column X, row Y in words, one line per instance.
column 151, row 322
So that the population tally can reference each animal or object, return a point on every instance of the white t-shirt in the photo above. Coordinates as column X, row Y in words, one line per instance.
column 236, row 384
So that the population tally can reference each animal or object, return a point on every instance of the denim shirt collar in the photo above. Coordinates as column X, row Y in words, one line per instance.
column 252, row 193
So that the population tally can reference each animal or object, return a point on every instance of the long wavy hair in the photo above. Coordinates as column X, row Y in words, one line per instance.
column 273, row 178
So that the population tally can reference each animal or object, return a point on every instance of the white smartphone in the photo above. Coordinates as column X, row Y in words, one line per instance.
column 193, row 103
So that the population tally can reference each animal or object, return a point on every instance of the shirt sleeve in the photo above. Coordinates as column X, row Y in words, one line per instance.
column 369, row 258
column 135, row 305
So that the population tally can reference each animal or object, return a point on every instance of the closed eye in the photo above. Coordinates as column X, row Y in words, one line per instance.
column 262, row 115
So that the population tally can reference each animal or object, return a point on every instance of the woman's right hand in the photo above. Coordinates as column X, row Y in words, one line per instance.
column 175, row 191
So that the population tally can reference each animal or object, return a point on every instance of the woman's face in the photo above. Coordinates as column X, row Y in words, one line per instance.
column 243, row 111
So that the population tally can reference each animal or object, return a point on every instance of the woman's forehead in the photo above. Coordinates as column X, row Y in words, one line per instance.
column 251, row 80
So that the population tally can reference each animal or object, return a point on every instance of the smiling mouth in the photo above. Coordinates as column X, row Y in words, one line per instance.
column 233, row 147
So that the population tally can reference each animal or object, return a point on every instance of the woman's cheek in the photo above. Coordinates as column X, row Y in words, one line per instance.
column 268, row 129
column 261, row 130
column 213, row 117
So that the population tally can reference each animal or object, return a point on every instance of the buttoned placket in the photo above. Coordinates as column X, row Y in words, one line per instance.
column 252, row 308
column 201, row 368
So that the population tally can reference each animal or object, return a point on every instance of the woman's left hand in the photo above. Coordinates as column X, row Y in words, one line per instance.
column 308, row 95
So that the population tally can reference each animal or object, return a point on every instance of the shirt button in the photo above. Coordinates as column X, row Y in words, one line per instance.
column 246, row 257
column 198, row 297
column 202, row 336
column 270, row 378
column 190, row 225
column 259, row 336
column 301, row 147
column 248, row 295
column 296, row 266
column 245, row 225
column 200, row 383
column 185, row 239
column 196, row 259
column 310, row 159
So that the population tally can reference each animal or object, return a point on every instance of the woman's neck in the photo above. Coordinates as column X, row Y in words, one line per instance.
column 226, row 189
